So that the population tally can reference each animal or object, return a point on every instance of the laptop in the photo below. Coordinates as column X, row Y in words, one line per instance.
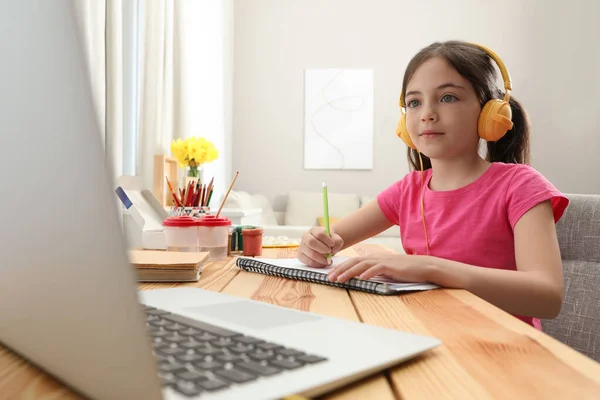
column 68, row 297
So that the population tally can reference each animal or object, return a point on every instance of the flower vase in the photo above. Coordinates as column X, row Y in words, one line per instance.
column 194, row 174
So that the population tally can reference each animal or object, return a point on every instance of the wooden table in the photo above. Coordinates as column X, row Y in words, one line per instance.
column 486, row 353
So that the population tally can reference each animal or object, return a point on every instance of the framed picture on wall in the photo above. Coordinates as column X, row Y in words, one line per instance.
column 338, row 119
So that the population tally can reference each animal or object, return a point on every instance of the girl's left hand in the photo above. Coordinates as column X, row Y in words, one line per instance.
column 399, row 267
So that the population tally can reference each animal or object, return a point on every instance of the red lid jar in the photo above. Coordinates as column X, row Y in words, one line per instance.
column 183, row 221
column 213, row 220
column 181, row 233
column 213, row 234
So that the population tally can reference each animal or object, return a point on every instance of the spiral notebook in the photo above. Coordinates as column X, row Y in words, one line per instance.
column 292, row 268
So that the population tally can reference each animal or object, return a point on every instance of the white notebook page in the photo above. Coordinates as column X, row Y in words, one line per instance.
column 294, row 263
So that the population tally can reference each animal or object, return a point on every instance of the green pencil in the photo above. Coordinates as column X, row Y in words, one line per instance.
column 326, row 213
column 209, row 197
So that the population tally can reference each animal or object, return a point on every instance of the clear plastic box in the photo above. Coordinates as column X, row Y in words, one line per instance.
column 181, row 233
column 213, row 235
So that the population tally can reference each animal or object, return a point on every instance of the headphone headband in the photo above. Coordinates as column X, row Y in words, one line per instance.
column 503, row 71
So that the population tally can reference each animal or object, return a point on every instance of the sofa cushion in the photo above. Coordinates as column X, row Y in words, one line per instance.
column 268, row 216
column 238, row 199
column 304, row 208
column 393, row 231
column 245, row 201
column 578, row 232
column 332, row 220
column 578, row 324
column 366, row 199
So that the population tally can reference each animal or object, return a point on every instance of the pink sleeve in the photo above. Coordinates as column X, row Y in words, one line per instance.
column 529, row 188
column 389, row 201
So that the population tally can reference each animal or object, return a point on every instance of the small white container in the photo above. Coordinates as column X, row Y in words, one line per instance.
column 181, row 233
column 213, row 235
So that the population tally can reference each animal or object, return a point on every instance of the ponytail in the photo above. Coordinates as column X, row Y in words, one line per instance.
column 513, row 147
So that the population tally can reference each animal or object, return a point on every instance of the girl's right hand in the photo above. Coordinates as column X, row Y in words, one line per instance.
column 316, row 244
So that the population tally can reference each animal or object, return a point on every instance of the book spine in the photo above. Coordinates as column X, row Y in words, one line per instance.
column 303, row 275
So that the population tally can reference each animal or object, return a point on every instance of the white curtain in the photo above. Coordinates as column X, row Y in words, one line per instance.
column 114, row 85
column 90, row 16
column 160, row 116
column 186, row 81
column 100, row 22
column 184, row 62
column 209, row 74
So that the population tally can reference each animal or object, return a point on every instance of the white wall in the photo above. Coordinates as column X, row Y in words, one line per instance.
column 551, row 52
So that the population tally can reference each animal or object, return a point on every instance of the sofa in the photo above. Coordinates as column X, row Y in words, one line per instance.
column 578, row 232
column 298, row 211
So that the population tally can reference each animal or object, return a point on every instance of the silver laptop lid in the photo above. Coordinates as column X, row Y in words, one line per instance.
column 67, row 294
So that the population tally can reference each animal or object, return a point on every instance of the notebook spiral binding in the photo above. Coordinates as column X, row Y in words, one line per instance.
column 251, row 265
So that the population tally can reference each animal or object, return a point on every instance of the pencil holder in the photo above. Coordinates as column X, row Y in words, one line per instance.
column 195, row 212
column 180, row 211
column 181, row 233
column 213, row 235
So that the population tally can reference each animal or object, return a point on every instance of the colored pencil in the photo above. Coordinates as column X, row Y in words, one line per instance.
column 227, row 194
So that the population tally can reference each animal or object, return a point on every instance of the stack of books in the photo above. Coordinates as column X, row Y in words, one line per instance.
column 167, row 266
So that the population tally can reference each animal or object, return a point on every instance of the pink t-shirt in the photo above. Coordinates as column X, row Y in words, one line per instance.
column 473, row 224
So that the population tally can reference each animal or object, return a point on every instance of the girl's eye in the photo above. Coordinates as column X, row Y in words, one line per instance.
column 448, row 98
column 413, row 103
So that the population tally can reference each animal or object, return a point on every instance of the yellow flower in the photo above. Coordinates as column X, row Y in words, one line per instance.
column 179, row 151
column 193, row 150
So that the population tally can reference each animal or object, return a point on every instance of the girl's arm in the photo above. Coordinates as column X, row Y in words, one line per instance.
column 535, row 289
column 361, row 224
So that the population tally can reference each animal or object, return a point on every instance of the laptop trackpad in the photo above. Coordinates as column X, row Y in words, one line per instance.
column 252, row 315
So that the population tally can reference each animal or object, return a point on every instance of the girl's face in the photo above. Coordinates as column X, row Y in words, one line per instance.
column 442, row 110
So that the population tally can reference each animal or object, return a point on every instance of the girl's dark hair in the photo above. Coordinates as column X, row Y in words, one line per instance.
column 475, row 65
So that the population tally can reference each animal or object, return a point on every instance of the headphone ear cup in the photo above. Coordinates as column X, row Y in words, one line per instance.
column 402, row 132
column 494, row 120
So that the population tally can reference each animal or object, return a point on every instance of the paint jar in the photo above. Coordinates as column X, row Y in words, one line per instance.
column 252, row 245
column 213, row 234
column 181, row 233
column 232, row 244
column 229, row 236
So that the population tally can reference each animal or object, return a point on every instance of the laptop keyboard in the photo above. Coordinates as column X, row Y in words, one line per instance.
column 194, row 357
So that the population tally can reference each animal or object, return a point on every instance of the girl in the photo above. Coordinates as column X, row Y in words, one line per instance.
column 486, row 225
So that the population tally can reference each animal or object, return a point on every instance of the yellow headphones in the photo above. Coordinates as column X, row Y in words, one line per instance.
column 494, row 119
